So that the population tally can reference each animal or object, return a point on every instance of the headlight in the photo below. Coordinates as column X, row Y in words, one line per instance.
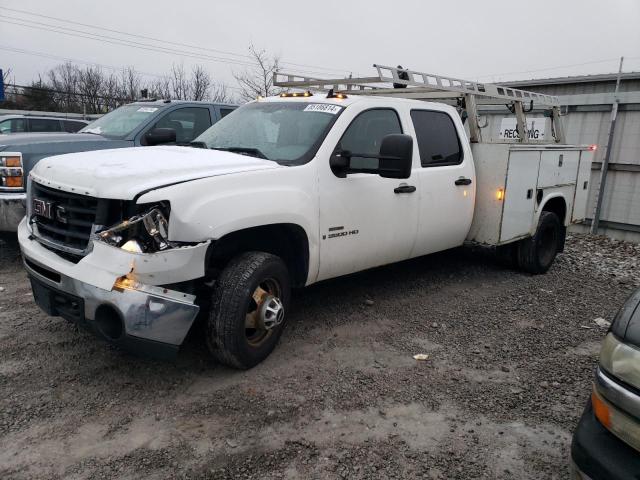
column 620, row 360
column 11, row 173
column 145, row 233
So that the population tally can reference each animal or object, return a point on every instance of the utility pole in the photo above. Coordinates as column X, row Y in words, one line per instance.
column 607, row 154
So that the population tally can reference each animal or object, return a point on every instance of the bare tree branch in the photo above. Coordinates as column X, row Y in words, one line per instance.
column 201, row 84
column 258, row 81
column 90, row 86
column 179, row 84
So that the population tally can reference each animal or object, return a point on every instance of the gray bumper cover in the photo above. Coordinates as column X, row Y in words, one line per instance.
column 145, row 312
column 12, row 209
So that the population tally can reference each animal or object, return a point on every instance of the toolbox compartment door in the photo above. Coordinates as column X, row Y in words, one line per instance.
column 558, row 168
column 520, row 194
column 582, row 187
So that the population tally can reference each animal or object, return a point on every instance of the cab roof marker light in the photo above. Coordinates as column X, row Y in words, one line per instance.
column 296, row 94
column 339, row 96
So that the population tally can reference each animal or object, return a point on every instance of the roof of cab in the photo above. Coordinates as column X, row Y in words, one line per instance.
column 167, row 102
column 374, row 100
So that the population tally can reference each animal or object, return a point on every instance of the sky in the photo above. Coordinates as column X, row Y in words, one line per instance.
column 490, row 41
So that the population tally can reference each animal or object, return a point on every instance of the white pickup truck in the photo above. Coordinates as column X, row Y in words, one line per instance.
column 284, row 192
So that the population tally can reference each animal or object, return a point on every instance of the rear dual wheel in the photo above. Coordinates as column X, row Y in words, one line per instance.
column 537, row 253
column 248, row 309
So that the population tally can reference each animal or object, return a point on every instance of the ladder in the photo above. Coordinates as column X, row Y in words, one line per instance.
column 405, row 83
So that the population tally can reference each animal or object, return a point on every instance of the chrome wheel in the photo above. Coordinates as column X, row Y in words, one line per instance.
column 265, row 312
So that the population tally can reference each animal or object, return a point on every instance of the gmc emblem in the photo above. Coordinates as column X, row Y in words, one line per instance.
column 42, row 208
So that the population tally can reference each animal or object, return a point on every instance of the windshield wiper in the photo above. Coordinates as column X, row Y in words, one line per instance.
column 253, row 152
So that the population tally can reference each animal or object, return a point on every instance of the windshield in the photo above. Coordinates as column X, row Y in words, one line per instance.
column 288, row 133
column 121, row 122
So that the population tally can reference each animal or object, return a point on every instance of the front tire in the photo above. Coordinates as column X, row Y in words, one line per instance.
column 537, row 253
column 248, row 309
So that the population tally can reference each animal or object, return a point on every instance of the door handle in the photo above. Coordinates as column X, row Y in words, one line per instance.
column 404, row 189
column 463, row 181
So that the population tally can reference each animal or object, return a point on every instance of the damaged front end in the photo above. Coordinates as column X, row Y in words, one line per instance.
column 131, row 288
column 144, row 233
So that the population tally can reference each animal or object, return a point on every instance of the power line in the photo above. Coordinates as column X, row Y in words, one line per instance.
column 72, row 60
column 85, row 62
column 126, row 43
column 138, row 45
column 197, row 47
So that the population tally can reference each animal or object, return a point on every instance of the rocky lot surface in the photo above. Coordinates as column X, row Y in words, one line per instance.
column 511, row 358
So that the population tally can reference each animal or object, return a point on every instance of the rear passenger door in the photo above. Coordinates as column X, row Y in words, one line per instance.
column 44, row 125
column 446, row 179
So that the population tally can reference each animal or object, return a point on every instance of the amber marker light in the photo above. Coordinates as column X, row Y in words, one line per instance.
column 500, row 194
column 13, row 182
column 13, row 162
column 601, row 410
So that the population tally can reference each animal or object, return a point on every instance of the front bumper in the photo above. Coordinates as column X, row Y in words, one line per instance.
column 597, row 454
column 12, row 210
column 139, row 317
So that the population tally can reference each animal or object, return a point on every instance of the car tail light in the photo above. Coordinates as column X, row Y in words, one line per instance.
column 11, row 172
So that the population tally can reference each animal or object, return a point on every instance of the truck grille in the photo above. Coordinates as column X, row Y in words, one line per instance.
column 68, row 217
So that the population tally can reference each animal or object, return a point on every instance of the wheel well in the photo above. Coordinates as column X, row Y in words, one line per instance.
column 285, row 240
column 558, row 206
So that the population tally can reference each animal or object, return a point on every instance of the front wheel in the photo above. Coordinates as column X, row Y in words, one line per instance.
column 537, row 253
column 248, row 309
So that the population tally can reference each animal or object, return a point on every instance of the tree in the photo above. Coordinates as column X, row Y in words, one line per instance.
column 130, row 84
column 201, row 83
column 160, row 88
column 63, row 79
column 180, row 87
column 91, row 87
column 258, row 81
column 39, row 96
column 220, row 93
column 111, row 92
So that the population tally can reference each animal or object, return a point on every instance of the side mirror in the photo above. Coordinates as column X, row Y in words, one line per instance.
column 396, row 156
column 158, row 136
column 394, row 160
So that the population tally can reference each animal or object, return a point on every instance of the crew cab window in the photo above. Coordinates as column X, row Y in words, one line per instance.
column 365, row 134
column 71, row 126
column 44, row 125
column 188, row 122
column 438, row 141
column 13, row 125
column 225, row 111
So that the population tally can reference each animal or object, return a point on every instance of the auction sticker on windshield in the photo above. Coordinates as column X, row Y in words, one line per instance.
column 147, row 109
column 322, row 107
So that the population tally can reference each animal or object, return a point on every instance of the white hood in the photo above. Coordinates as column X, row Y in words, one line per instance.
column 123, row 173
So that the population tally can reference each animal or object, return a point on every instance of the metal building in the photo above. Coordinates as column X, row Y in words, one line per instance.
column 587, row 102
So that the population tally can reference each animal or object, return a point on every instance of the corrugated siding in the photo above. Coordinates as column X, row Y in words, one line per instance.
column 621, row 198
column 583, row 87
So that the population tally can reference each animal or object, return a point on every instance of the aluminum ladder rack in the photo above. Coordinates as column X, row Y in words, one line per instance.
column 405, row 83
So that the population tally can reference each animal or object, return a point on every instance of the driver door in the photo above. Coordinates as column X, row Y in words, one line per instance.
column 365, row 220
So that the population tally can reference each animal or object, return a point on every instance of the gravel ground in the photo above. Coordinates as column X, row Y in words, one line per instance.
column 509, row 371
